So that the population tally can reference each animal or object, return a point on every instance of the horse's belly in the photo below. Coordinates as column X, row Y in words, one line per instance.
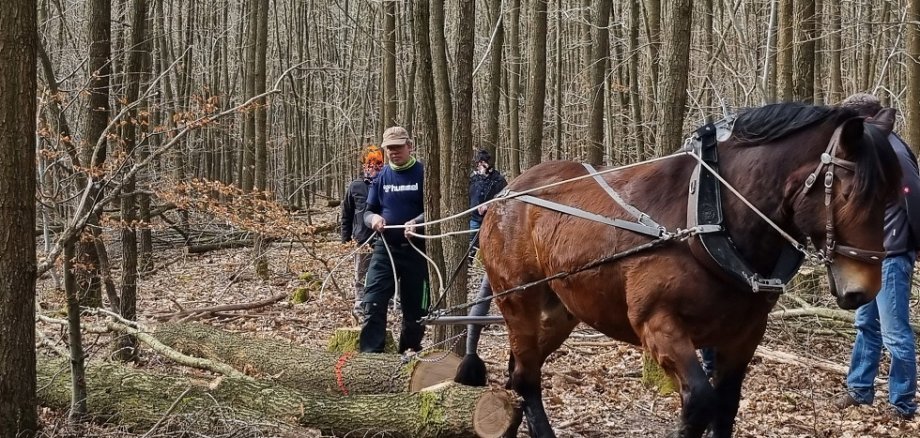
column 605, row 311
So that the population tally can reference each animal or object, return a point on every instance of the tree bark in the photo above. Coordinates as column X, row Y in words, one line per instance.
column 834, row 65
column 514, row 88
column 536, row 96
column 493, row 107
column 805, row 56
column 389, row 65
column 599, row 70
column 913, row 76
column 672, row 94
column 18, row 39
column 308, row 369
column 785, row 42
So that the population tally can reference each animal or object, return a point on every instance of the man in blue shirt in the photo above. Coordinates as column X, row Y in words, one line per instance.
column 396, row 198
column 886, row 320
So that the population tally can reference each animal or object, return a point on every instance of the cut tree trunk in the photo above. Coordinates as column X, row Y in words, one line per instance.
column 311, row 370
column 141, row 401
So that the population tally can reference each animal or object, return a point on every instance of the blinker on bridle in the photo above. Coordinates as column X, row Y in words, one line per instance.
column 829, row 164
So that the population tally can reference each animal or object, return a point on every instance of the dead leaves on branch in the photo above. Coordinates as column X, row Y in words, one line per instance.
column 254, row 211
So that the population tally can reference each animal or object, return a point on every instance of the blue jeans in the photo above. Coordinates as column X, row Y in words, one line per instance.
column 884, row 321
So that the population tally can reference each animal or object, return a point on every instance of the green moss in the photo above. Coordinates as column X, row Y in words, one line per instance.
column 653, row 376
column 301, row 295
column 431, row 412
column 306, row 276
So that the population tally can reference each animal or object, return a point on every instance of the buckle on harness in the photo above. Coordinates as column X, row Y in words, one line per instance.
column 769, row 285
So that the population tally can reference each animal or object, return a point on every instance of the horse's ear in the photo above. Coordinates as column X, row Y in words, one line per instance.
column 883, row 120
column 852, row 132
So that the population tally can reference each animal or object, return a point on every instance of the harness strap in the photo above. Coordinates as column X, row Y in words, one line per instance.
column 567, row 209
column 643, row 218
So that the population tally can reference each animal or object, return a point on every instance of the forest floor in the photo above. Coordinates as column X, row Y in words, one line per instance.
column 591, row 384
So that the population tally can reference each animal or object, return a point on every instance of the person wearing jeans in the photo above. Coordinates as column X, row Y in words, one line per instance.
column 885, row 320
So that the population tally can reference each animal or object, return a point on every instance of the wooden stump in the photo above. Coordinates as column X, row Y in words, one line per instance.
column 346, row 340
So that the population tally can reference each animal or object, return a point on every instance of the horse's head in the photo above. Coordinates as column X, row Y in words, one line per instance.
column 839, row 202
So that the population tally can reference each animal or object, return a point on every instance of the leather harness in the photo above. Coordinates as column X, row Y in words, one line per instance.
column 709, row 240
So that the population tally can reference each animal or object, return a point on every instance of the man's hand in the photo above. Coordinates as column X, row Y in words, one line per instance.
column 410, row 228
column 482, row 209
column 377, row 223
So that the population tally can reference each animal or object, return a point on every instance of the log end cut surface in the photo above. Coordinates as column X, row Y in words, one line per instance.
column 493, row 414
column 432, row 368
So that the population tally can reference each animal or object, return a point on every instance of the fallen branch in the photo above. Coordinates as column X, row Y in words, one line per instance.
column 190, row 314
column 794, row 359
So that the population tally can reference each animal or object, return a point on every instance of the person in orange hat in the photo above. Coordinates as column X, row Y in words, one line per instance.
column 353, row 207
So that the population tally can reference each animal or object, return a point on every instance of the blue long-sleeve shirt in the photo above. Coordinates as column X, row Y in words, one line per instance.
column 398, row 196
column 902, row 219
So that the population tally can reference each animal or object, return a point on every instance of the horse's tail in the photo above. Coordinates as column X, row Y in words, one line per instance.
column 472, row 371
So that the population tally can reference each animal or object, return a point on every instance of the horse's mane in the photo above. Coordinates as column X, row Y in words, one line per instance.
column 877, row 168
column 773, row 122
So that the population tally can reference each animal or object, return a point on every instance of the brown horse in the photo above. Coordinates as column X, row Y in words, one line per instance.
column 667, row 299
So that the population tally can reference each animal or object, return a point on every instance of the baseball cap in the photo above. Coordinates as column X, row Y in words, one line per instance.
column 395, row 136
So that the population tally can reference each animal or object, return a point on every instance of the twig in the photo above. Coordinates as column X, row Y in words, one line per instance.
column 168, row 412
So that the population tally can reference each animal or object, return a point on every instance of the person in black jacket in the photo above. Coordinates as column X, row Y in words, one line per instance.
column 353, row 227
column 885, row 321
column 485, row 183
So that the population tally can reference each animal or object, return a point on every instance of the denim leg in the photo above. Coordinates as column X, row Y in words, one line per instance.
column 362, row 262
column 866, row 354
column 897, row 335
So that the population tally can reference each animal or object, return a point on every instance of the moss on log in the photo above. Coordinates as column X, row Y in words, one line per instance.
column 347, row 340
column 140, row 400
column 311, row 370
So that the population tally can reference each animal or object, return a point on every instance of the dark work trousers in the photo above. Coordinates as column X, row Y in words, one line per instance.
column 412, row 274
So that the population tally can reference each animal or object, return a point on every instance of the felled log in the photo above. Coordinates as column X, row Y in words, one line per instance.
column 140, row 401
column 311, row 370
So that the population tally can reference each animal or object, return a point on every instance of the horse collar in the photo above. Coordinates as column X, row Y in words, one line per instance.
column 715, row 248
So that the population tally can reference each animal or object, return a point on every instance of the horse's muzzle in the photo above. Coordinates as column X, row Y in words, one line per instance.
column 852, row 300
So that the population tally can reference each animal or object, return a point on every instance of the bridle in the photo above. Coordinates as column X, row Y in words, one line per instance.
column 828, row 165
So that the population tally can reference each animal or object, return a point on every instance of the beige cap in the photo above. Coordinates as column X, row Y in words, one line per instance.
column 395, row 136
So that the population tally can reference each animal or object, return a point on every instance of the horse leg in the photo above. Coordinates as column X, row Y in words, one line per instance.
column 732, row 368
column 676, row 354
column 545, row 328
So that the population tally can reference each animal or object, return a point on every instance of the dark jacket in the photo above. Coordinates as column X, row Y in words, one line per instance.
column 353, row 208
column 484, row 188
column 902, row 219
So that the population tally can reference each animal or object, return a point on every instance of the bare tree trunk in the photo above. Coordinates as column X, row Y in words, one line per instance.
column 442, row 92
column 126, row 346
column 97, row 118
column 673, row 92
column 389, row 64
column 785, row 42
column 427, row 134
column 536, row 96
column 514, row 86
column 834, row 65
column 493, row 107
column 635, row 99
column 599, row 71
column 18, row 38
column 913, row 76
column 805, row 57
column 461, row 145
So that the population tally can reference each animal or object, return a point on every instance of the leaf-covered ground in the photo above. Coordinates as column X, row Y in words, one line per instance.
column 591, row 385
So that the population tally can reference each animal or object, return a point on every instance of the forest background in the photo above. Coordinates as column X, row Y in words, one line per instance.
column 249, row 115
